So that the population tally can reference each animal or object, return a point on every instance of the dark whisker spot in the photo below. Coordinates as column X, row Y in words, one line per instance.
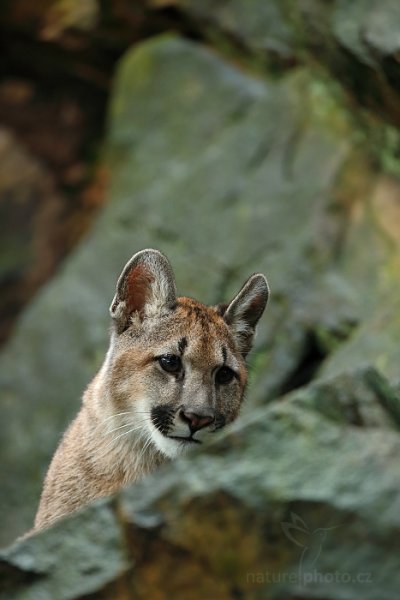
column 162, row 417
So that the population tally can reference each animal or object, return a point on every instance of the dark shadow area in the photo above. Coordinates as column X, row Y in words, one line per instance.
column 308, row 366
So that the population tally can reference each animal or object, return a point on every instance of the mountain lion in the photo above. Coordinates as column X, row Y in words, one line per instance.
column 173, row 375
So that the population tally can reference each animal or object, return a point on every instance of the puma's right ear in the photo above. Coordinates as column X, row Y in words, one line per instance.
column 145, row 288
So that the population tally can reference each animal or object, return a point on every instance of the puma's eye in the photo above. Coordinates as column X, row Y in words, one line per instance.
column 224, row 375
column 170, row 363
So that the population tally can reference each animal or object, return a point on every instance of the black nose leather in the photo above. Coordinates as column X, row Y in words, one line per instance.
column 196, row 421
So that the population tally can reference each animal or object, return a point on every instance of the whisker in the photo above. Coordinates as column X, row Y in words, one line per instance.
column 120, row 427
column 111, row 442
column 129, row 412
column 136, row 422
column 126, row 432
column 145, row 446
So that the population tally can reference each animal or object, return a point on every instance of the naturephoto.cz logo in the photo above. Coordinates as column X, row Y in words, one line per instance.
column 311, row 544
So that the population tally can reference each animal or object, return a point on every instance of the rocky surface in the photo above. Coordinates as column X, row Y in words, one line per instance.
column 359, row 44
column 155, row 159
column 30, row 209
column 300, row 500
column 256, row 151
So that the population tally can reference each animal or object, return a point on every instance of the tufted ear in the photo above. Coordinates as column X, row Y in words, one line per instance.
column 145, row 288
column 245, row 310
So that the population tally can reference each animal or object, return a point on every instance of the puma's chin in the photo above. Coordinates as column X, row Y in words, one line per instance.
column 167, row 446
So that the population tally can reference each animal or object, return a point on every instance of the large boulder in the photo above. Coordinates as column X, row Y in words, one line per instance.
column 357, row 42
column 30, row 215
column 300, row 500
column 371, row 260
column 240, row 157
column 200, row 167
column 227, row 172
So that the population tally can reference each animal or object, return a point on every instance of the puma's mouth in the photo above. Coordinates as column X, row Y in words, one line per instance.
column 173, row 445
column 183, row 439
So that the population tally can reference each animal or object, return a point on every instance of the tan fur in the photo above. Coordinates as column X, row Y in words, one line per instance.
column 133, row 410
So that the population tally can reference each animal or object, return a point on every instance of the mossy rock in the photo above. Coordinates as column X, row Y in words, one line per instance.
column 298, row 500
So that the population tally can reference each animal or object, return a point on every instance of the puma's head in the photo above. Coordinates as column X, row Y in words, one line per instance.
column 176, row 368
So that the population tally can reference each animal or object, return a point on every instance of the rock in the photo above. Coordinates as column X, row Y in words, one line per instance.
column 262, row 27
column 29, row 226
column 230, row 170
column 369, row 31
column 81, row 556
column 205, row 177
column 254, row 175
column 361, row 398
column 358, row 43
column 374, row 343
column 299, row 500
column 372, row 268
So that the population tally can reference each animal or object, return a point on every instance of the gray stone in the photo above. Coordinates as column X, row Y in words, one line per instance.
column 300, row 499
column 362, row 398
column 207, row 163
column 78, row 556
column 368, row 29
column 357, row 41
column 371, row 269
column 229, row 172
column 263, row 27
column 30, row 209
column 376, row 343
column 297, row 502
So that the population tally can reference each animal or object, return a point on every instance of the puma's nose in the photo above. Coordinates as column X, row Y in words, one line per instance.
column 196, row 421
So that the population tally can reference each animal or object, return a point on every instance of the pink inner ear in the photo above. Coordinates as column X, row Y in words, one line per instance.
column 137, row 288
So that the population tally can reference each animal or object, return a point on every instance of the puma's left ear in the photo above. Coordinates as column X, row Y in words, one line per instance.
column 245, row 310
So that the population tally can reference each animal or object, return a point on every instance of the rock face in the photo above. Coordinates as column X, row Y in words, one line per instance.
column 30, row 210
column 300, row 500
column 359, row 44
column 230, row 170
column 210, row 145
